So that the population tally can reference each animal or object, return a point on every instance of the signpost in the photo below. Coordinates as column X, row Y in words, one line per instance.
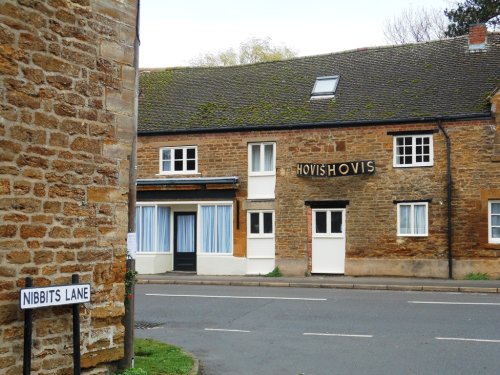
column 34, row 298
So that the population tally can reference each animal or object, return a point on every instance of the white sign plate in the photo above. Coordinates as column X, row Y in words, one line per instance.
column 34, row 298
column 132, row 244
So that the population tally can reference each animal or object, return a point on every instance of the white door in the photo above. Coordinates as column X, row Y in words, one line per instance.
column 328, row 240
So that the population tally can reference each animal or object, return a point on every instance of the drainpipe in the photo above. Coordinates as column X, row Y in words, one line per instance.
column 449, row 197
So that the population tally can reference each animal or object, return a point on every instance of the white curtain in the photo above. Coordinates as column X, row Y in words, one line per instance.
column 185, row 233
column 138, row 227
column 404, row 219
column 268, row 158
column 147, row 227
column 208, row 229
column 419, row 221
column 224, row 223
column 163, row 228
column 255, row 158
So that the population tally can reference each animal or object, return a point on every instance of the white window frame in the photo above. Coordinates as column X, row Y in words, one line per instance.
column 200, row 229
column 261, row 233
column 412, row 216
column 328, row 233
column 414, row 163
column 262, row 148
column 155, row 229
column 184, row 160
column 491, row 239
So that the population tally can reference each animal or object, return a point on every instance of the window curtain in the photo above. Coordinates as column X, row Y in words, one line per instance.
column 419, row 220
column 163, row 228
column 208, row 229
column 138, row 227
column 147, row 227
column 255, row 158
column 268, row 158
column 185, row 233
column 224, row 229
column 404, row 219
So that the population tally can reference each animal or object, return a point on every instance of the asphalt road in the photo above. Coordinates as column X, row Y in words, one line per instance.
column 246, row 330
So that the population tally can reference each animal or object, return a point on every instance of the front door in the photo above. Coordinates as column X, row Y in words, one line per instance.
column 185, row 241
column 328, row 240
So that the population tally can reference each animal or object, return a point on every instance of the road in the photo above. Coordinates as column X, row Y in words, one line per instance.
column 246, row 330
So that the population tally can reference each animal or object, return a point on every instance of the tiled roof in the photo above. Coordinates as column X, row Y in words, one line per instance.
column 438, row 78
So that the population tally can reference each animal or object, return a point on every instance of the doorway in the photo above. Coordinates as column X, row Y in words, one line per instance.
column 184, row 241
column 328, row 240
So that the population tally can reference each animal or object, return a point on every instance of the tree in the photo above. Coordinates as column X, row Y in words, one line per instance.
column 252, row 51
column 415, row 25
column 470, row 12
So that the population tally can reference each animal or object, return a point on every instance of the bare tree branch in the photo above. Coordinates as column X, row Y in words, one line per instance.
column 416, row 25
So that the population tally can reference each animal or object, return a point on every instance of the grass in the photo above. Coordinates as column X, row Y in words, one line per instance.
column 158, row 358
column 274, row 273
column 477, row 276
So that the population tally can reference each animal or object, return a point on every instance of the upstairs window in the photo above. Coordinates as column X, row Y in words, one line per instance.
column 261, row 158
column 178, row 160
column 325, row 87
column 494, row 221
column 413, row 151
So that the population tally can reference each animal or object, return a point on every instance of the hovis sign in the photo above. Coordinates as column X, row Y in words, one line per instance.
column 33, row 298
column 347, row 168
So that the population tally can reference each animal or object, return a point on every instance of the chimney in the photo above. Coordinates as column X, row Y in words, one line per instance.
column 477, row 37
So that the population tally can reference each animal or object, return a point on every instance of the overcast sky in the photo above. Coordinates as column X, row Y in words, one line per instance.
column 173, row 32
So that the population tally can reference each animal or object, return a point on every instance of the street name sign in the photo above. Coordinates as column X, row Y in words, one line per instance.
column 33, row 298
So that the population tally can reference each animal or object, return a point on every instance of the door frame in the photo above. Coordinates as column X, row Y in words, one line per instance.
column 323, row 241
column 181, row 259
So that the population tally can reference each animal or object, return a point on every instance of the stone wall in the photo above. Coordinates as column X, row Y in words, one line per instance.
column 67, row 84
column 371, row 213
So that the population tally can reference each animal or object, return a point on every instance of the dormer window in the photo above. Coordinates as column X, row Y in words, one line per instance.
column 325, row 87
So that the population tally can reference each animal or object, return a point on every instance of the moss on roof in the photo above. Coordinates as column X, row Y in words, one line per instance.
column 439, row 78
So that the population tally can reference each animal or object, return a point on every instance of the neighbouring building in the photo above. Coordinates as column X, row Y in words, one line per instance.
column 67, row 91
column 376, row 161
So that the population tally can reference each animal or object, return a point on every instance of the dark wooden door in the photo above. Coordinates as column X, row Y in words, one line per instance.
column 184, row 241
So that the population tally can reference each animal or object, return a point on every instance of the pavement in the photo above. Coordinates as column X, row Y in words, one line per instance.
column 335, row 282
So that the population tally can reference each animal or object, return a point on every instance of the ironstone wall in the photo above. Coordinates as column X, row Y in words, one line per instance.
column 67, row 82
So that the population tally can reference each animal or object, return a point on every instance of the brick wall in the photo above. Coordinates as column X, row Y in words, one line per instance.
column 371, row 214
column 67, row 83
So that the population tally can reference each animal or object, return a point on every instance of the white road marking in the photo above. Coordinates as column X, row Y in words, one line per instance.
column 336, row 334
column 236, row 297
column 226, row 330
column 456, row 303
column 463, row 339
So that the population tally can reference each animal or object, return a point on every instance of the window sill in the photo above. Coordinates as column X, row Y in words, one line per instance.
column 413, row 235
column 215, row 254
column 190, row 173
column 261, row 236
column 413, row 165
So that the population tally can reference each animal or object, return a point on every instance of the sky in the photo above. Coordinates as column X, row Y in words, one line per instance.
column 174, row 32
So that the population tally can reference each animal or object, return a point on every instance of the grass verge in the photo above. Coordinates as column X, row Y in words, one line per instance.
column 158, row 358
column 477, row 276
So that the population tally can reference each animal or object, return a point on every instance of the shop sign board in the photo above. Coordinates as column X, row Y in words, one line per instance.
column 348, row 168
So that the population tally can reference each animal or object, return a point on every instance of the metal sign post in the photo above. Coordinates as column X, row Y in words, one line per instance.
column 33, row 298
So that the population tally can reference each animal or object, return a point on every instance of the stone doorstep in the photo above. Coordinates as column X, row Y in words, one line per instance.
column 425, row 288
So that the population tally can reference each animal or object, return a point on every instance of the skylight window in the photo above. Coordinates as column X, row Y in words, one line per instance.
column 325, row 87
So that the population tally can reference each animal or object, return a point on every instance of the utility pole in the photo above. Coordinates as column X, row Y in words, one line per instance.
column 128, row 319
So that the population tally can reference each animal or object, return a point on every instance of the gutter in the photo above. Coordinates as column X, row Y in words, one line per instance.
column 449, row 198
column 321, row 124
column 188, row 181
